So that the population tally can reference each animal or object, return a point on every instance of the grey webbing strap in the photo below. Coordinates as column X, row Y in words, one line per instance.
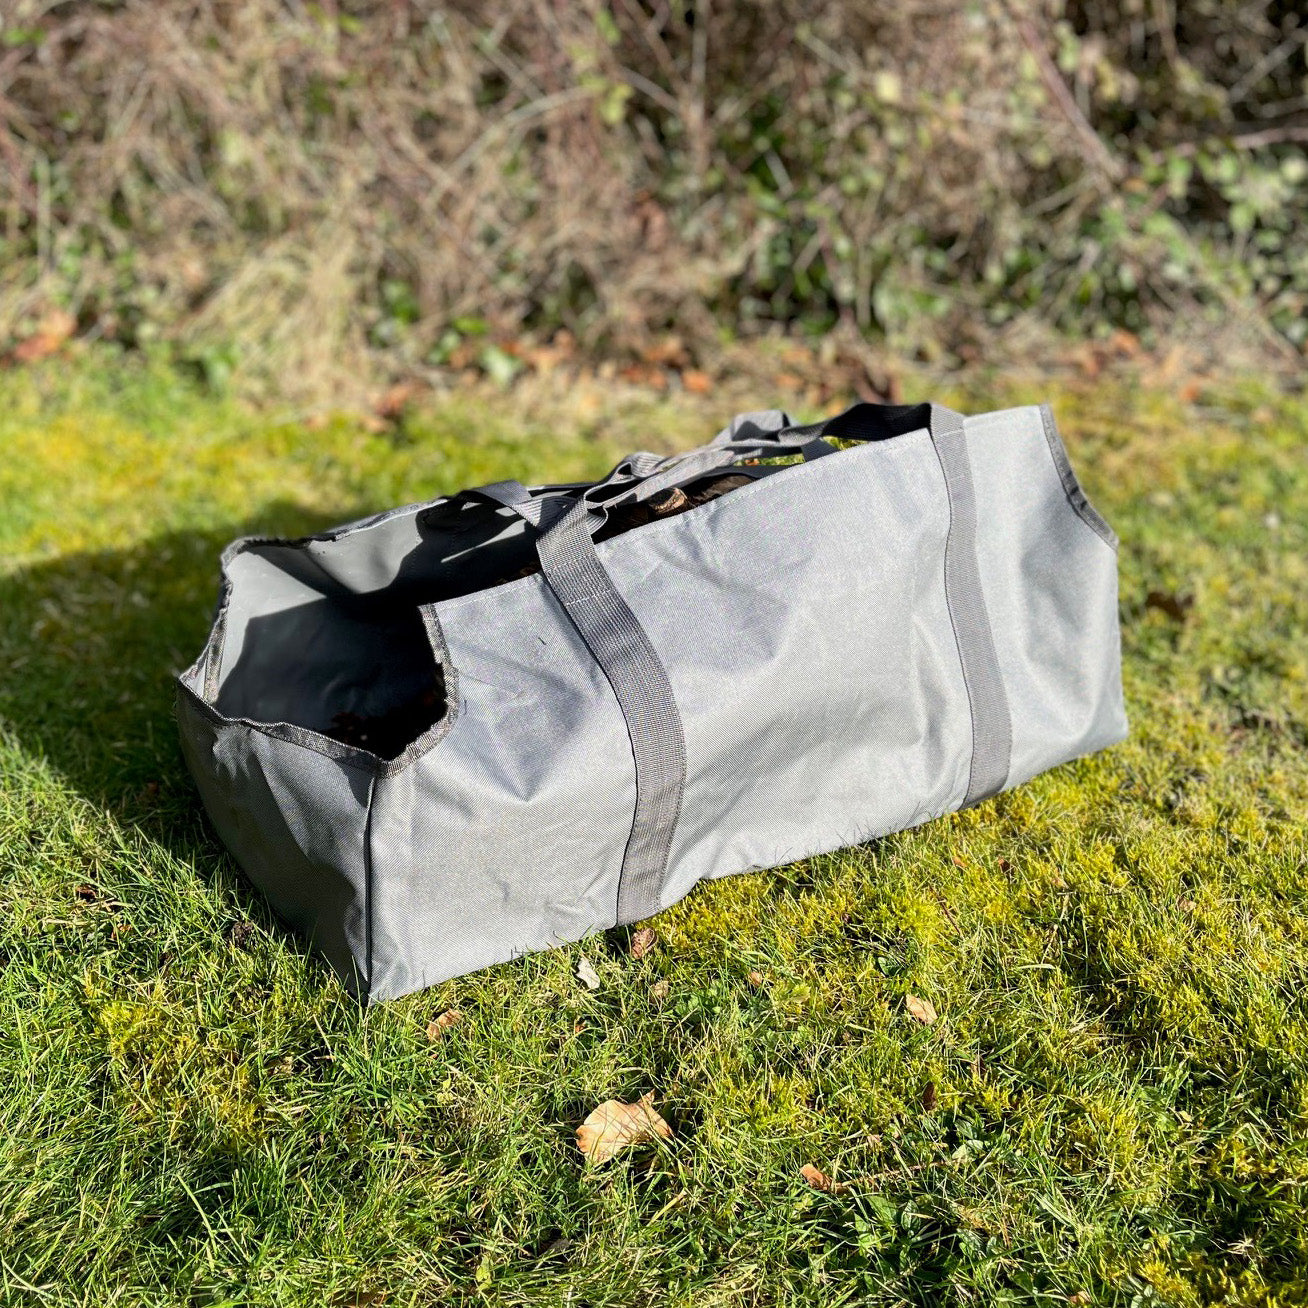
column 992, row 728
column 514, row 495
column 621, row 647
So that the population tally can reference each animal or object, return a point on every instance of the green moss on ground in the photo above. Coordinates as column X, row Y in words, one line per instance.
column 1111, row 1108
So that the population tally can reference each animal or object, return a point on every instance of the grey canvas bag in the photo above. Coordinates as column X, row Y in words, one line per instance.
column 455, row 732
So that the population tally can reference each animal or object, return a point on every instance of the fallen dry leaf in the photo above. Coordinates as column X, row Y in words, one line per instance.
column 639, row 374
column 696, row 382
column 642, row 942
column 1125, row 343
column 929, row 1097
column 438, row 1026
column 587, row 975
column 51, row 332
column 819, row 1180
column 658, row 992
column 922, row 1010
column 1088, row 360
column 667, row 353
column 392, row 402
column 755, row 978
column 615, row 1126
column 1177, row 607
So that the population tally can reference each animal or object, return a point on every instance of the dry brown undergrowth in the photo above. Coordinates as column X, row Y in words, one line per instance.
column 313, row 194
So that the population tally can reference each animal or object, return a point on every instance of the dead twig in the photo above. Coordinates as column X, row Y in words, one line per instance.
column 1093, row 149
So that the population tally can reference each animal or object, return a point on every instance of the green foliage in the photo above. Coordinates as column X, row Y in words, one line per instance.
column 317, row 184
column 193, row 1111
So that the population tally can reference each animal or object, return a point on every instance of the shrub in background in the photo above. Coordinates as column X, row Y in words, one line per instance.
column 287, row 188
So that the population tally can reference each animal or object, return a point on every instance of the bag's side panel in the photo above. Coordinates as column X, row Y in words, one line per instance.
column 812, row 656
column 507, row 836
column 1050, row 579
column 296, row 822
column 803, row 625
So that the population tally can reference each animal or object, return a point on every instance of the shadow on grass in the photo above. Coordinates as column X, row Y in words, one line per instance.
column 89, row 644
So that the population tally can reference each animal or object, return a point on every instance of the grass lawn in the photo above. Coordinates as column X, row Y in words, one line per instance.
column 1112, row 1107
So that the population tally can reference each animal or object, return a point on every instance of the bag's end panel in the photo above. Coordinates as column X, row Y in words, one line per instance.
column 296, row 822
column 1048, row 567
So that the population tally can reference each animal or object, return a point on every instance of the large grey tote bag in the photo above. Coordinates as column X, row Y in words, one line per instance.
column 469, row 728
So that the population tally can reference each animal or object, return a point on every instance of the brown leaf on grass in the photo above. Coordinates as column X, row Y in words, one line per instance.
column 438, row 1026
column 819, row 1180
column 1088, row 359
column 1125, row 343
column 921, row 1010
column 667, row 353
column 51, row 332
column 392, row 403
column 615, row 1126
column 1177, row 607
column 755, row 978
column 929, row 1097
column 658, row 992
column 696, row 381
column 639, row 374
column 642, row 942
column 586, row 974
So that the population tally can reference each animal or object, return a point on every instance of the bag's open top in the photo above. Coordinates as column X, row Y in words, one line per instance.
column 325, row 634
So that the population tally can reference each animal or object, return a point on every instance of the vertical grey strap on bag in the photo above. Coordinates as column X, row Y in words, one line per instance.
column 992, row 728
column 621, row 646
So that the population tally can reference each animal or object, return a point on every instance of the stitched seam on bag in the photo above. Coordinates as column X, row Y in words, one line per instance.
column 367, row 890
column 1076, row 496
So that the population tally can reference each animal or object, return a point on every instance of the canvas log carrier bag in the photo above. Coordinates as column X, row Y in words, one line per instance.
column 462, row 730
